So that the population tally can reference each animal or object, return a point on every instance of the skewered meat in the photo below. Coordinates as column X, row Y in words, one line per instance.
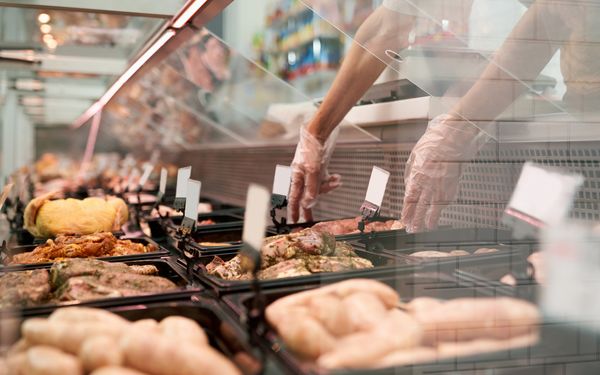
column 93, row 245
column 356, row 324
column 48, row 218
column 350, row 226
column 307, row 252
column 24, row 288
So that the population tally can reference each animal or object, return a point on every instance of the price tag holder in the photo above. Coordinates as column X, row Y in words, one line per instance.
column 192, row 198
column 5, row 193
column 572, row 274
column 183, row 175
column 543, row 196
column 148, row 168
column 281, row 186
column 375, row 193
column 255, row 225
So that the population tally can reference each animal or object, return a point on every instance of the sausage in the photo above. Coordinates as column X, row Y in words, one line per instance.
column 183, row 330
column 360, row 350
column 305, row 335
column 331, row 312
column 116, row 370
column 65, row 336
column 467, row 319
column 45, row 360
column 365, row 311
column 86, row 315
column 155, row 354
column 100, row 351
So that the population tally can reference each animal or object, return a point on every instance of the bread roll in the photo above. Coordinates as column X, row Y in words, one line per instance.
column 45, row 360
column 100, row 351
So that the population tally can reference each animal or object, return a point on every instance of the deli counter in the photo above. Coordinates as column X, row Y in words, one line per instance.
column 153, row 167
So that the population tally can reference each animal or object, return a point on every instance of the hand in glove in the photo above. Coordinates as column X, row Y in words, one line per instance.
column 434, row 168
column 309, row 174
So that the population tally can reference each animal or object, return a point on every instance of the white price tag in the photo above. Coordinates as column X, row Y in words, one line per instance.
column 183, row 175
column 282, row 180
column 5, row 193
column 192, row 198
column 377, row 185
column 162, row 187
column 134, row 179
column 255, row 218
column 148, row 168
column 572, row 273
column 543, row 196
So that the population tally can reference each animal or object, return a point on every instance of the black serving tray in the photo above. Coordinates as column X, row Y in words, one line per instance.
column 445, row 236
column 166, row 269
column 160, row 252
column 272, row 230
column 509, row 259
column 224, row 333
column 224, row 220
column 383, row 264
column 563, row 348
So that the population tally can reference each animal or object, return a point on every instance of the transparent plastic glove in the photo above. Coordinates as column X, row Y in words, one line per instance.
column 309, row 174
column 434, row 168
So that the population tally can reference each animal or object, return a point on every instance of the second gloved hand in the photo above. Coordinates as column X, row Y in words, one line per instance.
column 309, row 174
column 434, row 168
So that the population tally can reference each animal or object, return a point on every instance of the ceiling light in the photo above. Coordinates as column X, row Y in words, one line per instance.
column 124, row 78
column 52, row 44
column 45, row 28
column 188, row 13
column 44, row 17
column 47, row 37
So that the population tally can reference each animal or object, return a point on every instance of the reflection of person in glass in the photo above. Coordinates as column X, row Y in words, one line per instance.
column 431, row 181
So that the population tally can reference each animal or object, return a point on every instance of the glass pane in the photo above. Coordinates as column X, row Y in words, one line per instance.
column 207, row 93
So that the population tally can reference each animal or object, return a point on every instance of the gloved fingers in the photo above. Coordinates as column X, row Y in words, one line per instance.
column 412, row 195
column 312, row 184
column 333, row 182
column 307, row 214
column 418, row 222
column 433, row 216
column 296, row 192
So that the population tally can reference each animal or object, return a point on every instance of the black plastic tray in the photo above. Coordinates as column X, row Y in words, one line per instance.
column 224, row 333
column 509, row 258
column 225, row 220
column 445, row 236
column 272, row 230
column 166, row 269
column 161, row 251
column 563, row 348
column 383, row 264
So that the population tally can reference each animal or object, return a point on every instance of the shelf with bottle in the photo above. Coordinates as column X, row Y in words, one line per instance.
column 284, row 11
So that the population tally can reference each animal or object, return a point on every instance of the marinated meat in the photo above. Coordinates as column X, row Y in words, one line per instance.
column 229, row 270
column 110, row 285
column 297, row 254
column 79, row 279
column 92, row 245
column 288, row 268
column 350, row 226
column 317, row 264
column 24, row 288
column 309, row 242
